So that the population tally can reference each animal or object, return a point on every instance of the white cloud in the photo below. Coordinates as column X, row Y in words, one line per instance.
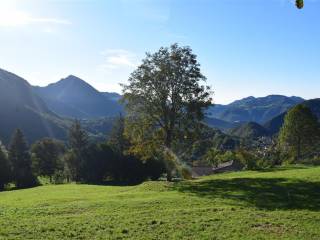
column 11, row 16
column 118, row 58
column 116, row 68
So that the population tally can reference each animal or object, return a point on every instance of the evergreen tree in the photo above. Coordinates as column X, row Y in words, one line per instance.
column 20, row 159
column 99, row 163
column 299, row 134
column 5, row 171
column 46, row 157
column 78, row 142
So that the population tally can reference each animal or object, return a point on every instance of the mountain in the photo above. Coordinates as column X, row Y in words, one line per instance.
column 112, row 96
column 253, row 109
column 42, row 111
column 21, row 108
column 249, row 130
column 273, row 126
column 219, row 124
column 72, row 97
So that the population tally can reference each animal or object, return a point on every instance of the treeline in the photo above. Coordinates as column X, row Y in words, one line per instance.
column 78, row 160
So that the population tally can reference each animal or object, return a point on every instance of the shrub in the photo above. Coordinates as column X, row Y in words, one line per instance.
column 247, row 159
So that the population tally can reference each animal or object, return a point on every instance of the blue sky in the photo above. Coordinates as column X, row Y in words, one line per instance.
column 245, row 47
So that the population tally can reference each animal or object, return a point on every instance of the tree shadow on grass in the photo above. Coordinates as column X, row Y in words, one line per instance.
column 263, row 193
column 114, row 183
column 282, row 168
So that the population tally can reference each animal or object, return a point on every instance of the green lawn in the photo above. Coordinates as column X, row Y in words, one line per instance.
column 277, row 204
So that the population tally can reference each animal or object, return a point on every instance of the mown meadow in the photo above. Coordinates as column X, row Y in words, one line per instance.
column 282, row 203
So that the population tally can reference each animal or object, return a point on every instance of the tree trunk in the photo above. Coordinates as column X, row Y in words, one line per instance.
column 167, row 144
column 169, row 175
column 298, row 151
column 168, row 139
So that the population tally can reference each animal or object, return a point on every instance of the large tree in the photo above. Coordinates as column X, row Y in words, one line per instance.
column 165, row 98
column 46, row 157
column 299, row 134
column 20, row 159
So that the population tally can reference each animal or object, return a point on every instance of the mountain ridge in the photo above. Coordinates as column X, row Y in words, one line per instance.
column 21, row 108
column 252, row 109
column 74, row 98
column 47, row 111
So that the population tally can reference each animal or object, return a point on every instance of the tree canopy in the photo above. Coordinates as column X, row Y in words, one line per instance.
column 299, row 4
column 165, row 98
column 299, row 133
column 46, row 156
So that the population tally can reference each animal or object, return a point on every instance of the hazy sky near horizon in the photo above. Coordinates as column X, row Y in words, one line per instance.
column 245, row 47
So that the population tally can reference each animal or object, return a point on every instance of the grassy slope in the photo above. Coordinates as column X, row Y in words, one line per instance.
column 279, row 204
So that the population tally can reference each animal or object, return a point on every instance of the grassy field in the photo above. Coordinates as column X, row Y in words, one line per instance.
column 277, row 204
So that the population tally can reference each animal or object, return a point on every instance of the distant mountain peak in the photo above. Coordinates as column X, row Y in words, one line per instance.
column 75, row 79
column 72, row 79
column 249, row 98
column 69, row 87
column 256, row 109
column 22, row 108
column 74, row 97
column 268, row 97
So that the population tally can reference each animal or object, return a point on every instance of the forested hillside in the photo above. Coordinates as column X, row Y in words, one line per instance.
column 249, row 130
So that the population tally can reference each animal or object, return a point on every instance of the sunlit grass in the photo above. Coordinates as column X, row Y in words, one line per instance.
column 277, row 204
